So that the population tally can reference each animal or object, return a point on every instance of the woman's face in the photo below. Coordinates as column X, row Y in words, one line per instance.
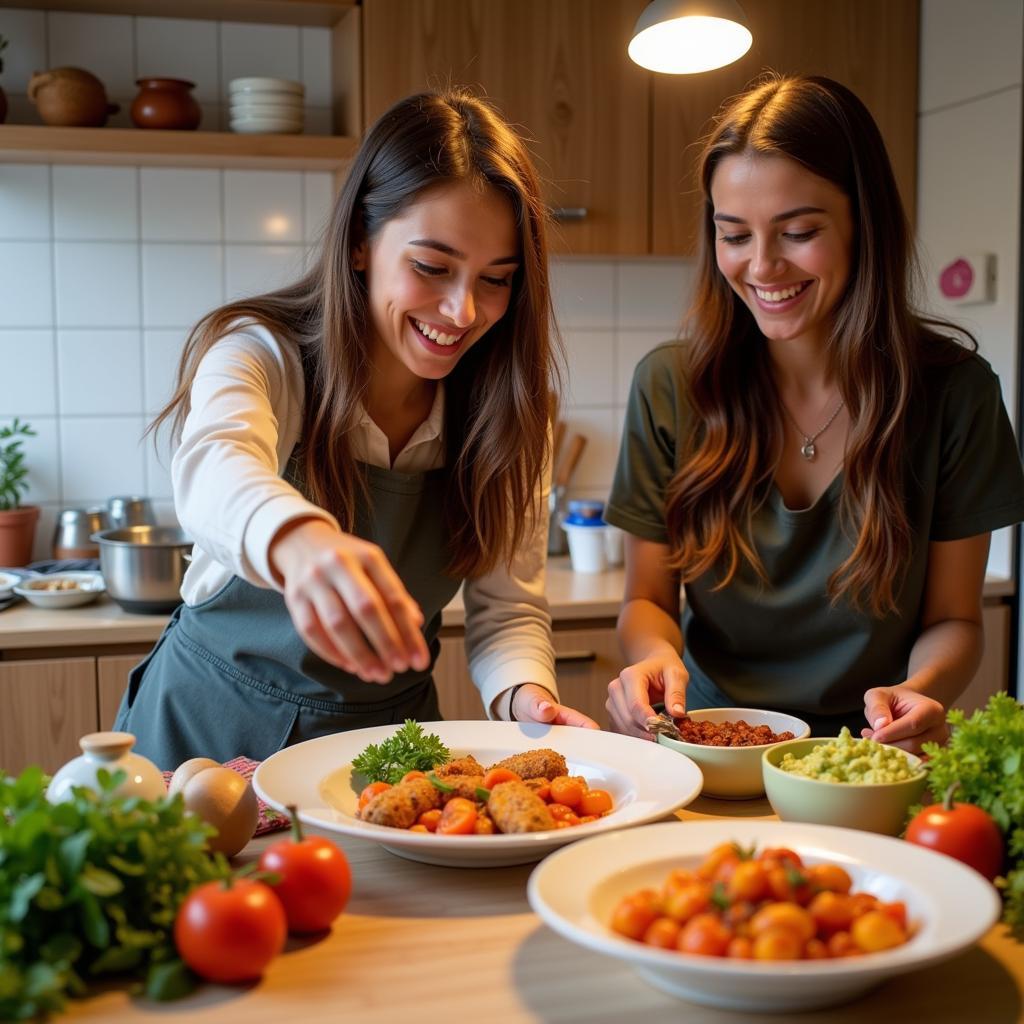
column 784, row 242
column 439, row 276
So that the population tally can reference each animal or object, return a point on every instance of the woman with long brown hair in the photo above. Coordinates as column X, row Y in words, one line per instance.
column 818, row 466
column 355, row 446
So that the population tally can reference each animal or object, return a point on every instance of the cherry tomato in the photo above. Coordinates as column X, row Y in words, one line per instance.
column 230, row 931
column 314, row 878
column 595, row 801
column 635, row 914
column 962, row 831
column 496, row 775
column 370, row 791
column 429, row 819
column 458, row 817
column 704, row 935
column 565, row 790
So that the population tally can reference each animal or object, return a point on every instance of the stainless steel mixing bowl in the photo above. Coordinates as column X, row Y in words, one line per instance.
column 143, row 566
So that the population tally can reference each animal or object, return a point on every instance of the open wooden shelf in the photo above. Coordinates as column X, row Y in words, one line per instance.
column 323, row 13
column 45, row 144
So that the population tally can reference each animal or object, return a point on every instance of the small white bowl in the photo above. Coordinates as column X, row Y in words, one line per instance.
column 263, row 84
column 735, row 773
column 264, row 100
column 87, row 587
column 8, row 581
column 274, row 111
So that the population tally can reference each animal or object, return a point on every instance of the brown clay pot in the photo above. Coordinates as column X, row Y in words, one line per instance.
column 17, row 532
column 166, row 103
column 3, row 107
column 70, row 97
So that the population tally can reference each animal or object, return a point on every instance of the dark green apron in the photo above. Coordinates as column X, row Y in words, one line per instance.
column 231, row 676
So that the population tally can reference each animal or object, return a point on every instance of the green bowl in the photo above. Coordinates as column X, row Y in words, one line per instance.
column 872, row 807
column 734, row 773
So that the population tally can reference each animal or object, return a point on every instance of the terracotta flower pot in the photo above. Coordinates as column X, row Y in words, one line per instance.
column 166, row 103
column 17, row 532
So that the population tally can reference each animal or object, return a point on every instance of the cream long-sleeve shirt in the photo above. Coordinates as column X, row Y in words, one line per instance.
column 231, row 498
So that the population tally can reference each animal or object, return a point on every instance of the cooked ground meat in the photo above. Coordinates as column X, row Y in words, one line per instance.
column 468, row 765
column 514, row 807
column 401, row 805
column 465, row 785
column 534, row 764
column 728, row 734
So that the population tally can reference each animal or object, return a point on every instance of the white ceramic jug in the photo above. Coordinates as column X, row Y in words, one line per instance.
column 110, row 750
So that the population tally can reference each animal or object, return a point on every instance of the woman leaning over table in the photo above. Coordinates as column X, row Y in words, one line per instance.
column 819, row 465
column 354, row 446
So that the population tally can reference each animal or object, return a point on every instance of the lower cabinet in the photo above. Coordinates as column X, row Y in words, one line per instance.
column 47, row 706
column 993, row 674
column 111, row 679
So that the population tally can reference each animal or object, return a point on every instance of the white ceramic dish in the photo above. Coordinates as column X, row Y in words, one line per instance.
column 8, row 581
column 575, row 891
column 253, row 125
column 646, row 782
column 735, row 773
column 271, row 111
column 265, row 84
column 255, row 102
column 88, row 586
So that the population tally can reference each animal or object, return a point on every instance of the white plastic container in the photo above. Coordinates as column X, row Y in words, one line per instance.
column 587, row 533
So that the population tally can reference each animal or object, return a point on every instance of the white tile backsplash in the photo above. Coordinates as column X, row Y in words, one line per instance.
column 259, row 50
column 97, row 284
column 180, row 48
column 584, row 293
column 180, row 282
column 161, row 352
column 315, row 50
column 96, row 203
column 99, row 372
column 251, row 269
column 99, row 43
column 653, row 293
column 317, row 203
column 24, row 200
column 591, row 365
column 263, row 206
column 632, row 346
column 101, row 456
column 29, row 363
column 26, row 53
column 26, row 284
column 181, row 204
column 43, row 460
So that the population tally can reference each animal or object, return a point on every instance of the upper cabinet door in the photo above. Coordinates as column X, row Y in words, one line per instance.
column 556, row 68
column 871, row 46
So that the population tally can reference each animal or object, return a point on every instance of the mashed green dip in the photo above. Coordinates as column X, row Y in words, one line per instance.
column 845, row 759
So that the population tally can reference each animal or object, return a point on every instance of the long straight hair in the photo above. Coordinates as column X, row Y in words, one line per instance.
column 875, row 350
column 499, row 395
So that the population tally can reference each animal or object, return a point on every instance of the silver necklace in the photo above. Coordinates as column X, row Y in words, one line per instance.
column 807, row 449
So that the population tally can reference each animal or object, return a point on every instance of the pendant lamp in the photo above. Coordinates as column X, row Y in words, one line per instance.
column 684, row 37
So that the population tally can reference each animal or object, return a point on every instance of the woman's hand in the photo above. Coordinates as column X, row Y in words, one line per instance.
column 532, row 703
column 902, row 717
column 660, row 677
column 347, row 602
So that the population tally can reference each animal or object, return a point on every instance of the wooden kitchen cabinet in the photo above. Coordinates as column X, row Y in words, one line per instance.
column 559, row 69
column 993, row 674
column 871, row 46
column 111, row 680
column 47, row 705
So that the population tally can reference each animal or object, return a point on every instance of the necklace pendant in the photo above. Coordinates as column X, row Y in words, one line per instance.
column 808, row 451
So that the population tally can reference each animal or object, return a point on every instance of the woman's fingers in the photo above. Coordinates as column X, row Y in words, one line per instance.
column 625, row 705
column 406, row 613
column 345, row 634
column 535, row 704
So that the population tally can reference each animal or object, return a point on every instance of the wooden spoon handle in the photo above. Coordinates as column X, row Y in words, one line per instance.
column 572, row 457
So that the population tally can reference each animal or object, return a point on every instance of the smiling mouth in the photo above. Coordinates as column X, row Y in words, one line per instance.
column 436, row 336
column 780, row 294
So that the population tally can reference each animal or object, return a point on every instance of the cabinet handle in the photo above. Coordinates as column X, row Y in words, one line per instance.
column 566, row 213
column 566, row 657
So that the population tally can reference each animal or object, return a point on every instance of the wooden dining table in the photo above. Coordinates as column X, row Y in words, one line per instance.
column 421, row 944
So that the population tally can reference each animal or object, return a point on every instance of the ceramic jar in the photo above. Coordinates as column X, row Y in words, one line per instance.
column 166, row 103
column 109, row 750
column 70, row 97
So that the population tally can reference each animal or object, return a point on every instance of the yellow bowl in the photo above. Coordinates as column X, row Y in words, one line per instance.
column 734, row 773
column 872, row 807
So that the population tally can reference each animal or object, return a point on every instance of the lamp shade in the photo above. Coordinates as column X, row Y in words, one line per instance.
column 684, row 37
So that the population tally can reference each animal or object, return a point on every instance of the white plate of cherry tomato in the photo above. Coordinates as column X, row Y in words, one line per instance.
column 646, row 782
column 579, row 891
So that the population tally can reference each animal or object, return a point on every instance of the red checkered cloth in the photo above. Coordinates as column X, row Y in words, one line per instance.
column 269, row 819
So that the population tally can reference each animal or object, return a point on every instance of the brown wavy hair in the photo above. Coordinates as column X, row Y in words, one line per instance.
column 499, row 396
column 876, row 349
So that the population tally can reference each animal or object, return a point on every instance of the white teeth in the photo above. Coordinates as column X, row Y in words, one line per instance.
column 436, row 336
column 778, row 296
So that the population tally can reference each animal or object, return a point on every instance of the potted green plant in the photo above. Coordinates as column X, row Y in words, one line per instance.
column 3, row 98
column 17, row 521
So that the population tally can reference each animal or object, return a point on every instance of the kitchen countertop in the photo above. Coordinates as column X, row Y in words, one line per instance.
column 572, row 596
column 422, row 943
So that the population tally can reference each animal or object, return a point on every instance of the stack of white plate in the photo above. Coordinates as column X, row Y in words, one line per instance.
column 266, row 105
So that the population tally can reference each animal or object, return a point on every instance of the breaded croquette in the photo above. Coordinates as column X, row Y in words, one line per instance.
column 535, row 763
column 401, row 805
column 468, row 765
column 514, row 807
column 465, row 785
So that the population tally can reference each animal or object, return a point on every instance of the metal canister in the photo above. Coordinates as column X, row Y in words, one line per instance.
column 72, row 537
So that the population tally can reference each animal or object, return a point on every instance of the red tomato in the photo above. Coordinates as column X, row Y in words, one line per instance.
column 962, row 831
column 315, row 880
column 230, row 932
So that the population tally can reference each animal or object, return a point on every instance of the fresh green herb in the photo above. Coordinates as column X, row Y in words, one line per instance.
column 438, row 784
column 410, row 749
column 985, row 754
column 13, row 470
column 483, row 795
column 91, row 887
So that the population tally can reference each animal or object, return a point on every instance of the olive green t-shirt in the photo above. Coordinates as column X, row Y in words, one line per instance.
column 782, row 645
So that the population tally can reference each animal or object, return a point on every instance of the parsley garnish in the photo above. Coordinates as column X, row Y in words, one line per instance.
column 410, row 749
